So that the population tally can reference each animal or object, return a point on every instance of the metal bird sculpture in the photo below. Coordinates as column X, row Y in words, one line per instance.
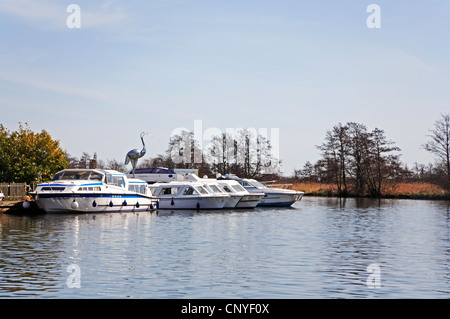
column 135, row 154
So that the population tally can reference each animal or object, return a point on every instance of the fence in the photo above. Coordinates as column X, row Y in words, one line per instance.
column 14, row 191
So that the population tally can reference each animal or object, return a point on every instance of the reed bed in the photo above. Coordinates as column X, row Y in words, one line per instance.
column 414, row 190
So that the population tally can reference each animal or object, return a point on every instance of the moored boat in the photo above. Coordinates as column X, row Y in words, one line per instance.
column 272, row 196
column 188, row 195
column 93, row 190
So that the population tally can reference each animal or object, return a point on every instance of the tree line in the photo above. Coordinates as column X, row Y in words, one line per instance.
column 247, row 154
column 362, row 162
column 357, row 160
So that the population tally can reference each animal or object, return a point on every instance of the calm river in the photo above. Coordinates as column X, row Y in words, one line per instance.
column 319, row 248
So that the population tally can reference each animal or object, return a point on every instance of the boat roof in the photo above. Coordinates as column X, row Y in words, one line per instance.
column 153, row 170
column 98, row 170
column 229, row 177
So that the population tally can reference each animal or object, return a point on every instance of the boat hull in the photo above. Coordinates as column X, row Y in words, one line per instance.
column 249, row 201
column 232, row 201
column 192, row 203
column 280, row 199
column 87, row 203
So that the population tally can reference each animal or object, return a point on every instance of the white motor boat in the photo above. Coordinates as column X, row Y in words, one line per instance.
column 94, row 190
column 272, row 196
column 188, row 195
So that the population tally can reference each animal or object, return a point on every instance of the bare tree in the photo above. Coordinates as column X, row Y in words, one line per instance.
column 335, row 151
column 247, row 153
column 222, row 153
column 359, row 143
column 354, row 156
column 439, row 145
column 116, row 165
column 380, row 163
column 184, row 151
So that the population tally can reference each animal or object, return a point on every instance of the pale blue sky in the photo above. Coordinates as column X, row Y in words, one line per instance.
column 300, row 66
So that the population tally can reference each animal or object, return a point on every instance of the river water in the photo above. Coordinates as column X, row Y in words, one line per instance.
column 319, row 248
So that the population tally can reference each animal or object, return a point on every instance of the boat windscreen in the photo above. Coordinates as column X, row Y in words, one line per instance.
column 201, row 190
column 215, row 189
column 257, row 184
column 238, row 188
column 227, row 189
column 77, row 175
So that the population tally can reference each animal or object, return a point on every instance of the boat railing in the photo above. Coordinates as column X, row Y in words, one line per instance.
column 274, row 184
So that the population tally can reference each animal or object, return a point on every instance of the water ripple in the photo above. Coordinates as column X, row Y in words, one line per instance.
column 320, row 248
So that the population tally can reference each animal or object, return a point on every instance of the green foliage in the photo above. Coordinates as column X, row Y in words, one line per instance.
column 25, row 154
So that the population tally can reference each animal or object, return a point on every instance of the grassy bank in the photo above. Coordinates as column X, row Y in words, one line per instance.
column 416, row 190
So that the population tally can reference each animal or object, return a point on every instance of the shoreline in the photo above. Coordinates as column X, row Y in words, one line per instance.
column 419, row 191
column 390, row 196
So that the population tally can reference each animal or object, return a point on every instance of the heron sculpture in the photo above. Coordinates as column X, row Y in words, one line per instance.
column 135, row 154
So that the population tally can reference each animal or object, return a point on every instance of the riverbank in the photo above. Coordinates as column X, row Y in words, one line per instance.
column 400, row 190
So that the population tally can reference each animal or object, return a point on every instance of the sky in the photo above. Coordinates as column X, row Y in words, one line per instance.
column 156, row 66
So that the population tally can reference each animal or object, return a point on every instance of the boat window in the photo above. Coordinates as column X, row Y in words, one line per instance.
column 189, row 191
column 52, row 188
column 91, row 189
column 238, row 188
column 201, row 190
column 215, row 189
column 116, row 180
column 96, row 176
column 137, row 188
column 245, row 184
column 169, row 191
column 58, row 176
column 227, row 189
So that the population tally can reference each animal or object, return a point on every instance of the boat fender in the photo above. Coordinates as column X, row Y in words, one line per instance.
column 157, row 205
column 137, row 205
column 172, row 202
column 26, row 204
column 151, row 206
column 94, row 204
column 198, row 205
column 74, row 204
column 124, row 203
column 111, row 204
